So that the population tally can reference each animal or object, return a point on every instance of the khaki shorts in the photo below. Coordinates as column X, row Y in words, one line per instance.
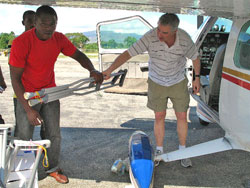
column 158, row 96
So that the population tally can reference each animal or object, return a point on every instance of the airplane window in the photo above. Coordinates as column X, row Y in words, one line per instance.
column 217, row 36
column 241, row 54
column 122, row 35
column 223, row 24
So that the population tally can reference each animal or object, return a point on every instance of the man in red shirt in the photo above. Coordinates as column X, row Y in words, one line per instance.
column 32, row 59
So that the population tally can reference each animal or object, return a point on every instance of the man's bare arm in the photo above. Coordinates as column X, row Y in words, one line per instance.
column 16, row 81
column 196, row 82
column 120, row 60
column 2, row 82
column 87, row 64
column 197, row 66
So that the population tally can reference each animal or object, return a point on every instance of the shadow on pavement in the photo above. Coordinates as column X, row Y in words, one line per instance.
column 88, row 154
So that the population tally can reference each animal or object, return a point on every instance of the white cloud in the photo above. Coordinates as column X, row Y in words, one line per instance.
column 11, row 18
column 69, row 19
column 86, row 19
column 189, row 27
column 73, row 19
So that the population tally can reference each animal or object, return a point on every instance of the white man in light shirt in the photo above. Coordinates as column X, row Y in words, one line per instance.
column 168, row 47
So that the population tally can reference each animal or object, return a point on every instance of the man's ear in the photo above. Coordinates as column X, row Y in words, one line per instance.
column 23, row 22
column 175, row 31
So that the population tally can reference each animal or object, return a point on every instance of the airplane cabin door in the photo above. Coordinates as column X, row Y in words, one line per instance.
column 234, row 106
column 116, row 36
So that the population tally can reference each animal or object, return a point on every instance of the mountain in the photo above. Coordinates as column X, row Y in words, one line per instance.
column 108, row 35
column 118, row 37
column 91, row 35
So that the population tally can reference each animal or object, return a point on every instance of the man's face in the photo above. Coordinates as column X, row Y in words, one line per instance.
column 45, row 26
column 165, row 32
column 29, row 21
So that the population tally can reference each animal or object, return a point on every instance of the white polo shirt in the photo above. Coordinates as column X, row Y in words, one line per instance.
column 166, row 65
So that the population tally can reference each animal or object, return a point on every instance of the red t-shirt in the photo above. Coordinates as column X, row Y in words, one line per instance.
column 38, row 58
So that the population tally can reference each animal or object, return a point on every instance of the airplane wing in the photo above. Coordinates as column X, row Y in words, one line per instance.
column 220, row 8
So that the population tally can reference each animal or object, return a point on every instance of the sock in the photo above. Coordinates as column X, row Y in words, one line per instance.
column 159, row 148
column 182, row 147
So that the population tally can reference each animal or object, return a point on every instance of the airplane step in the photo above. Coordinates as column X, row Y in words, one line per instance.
column 213, row 146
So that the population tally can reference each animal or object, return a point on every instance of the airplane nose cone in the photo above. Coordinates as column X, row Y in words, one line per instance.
column 141, row 160
column 143, row 172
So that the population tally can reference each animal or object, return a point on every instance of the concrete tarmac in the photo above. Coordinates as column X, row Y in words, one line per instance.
column 96, row 128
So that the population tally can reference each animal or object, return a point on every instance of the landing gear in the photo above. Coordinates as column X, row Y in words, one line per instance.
column 202, row 122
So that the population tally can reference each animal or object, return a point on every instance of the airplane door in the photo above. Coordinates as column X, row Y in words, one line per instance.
column 203, row 30
column 198, row 39
column 116, row 36
column 234, row 106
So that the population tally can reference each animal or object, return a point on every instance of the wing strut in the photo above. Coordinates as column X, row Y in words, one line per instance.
column 213, row 146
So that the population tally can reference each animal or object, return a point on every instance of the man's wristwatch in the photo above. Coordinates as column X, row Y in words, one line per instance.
column 197, row 75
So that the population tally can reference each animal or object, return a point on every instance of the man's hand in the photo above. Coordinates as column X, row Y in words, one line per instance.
column 196, row 85
column 106, row 74
column 34, row 117
column 97, row 76
column 1, row 89
column 3, row 85
column 120, row 60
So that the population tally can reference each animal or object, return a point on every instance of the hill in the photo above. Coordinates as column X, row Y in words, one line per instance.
column 108, row 35
column 91, row 35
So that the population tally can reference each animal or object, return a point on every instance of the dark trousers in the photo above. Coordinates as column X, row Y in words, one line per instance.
column 1, row 120
column 50, row 114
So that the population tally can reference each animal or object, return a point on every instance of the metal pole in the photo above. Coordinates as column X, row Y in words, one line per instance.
column 199, row 21
column 3, row 142
column 33, row 173
column 13, row 157
column 1, row 157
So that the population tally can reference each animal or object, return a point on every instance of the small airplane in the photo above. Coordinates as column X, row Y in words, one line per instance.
column 139, row 163
column 141, row 160
column 224, row 45
column 225, row 78
column 225, row 62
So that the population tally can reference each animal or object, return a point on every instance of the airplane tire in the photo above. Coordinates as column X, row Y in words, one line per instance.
column 202, row 122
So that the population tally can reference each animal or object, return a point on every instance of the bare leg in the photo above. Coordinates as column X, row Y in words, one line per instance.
column 182, row 127
column 159, row 127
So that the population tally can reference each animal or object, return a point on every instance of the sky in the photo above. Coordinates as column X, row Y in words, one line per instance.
column 80, row 19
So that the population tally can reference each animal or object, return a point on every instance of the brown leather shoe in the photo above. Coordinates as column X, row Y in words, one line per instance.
column 59, row 176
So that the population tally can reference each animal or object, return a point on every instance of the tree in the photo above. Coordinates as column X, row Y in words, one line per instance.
column 78, row 39
column 5, row 38
column 91, row 46
column 112, row 44
column 129, row 41
column 104, row 44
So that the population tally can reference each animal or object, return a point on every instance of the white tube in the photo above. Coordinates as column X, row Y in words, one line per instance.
column 33, row 102
column 29, row 95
